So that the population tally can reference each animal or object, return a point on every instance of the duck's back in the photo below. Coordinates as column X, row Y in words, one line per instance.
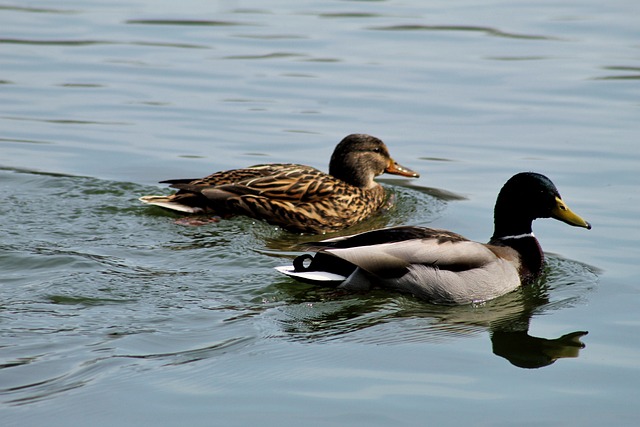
column 234, row 176
column 295, row 197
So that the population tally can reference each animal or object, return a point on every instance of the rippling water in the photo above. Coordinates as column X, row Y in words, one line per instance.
column 112, row 313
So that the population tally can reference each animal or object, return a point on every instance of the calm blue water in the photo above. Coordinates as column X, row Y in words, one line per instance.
column 113, row 314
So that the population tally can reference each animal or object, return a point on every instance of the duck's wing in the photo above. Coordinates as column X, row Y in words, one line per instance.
column 285, row 182
column 389, row 260
column 231, row 176
column 388, row 235
column 190, row 197
column 389, row 251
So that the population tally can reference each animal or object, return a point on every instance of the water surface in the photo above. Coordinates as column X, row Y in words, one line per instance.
column 113, row 313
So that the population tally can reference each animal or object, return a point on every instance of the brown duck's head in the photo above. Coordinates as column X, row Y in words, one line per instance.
column 359, row 158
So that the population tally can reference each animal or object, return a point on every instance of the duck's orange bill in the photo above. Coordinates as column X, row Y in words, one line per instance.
column 397, row 169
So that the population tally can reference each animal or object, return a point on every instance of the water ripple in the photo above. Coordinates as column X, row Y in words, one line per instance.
column 273, row 55
column 192, row 355
column 187, row 22
column 25, row 141
column 67, row 121
column 634, row 76
column 36, row 42
column 462, row 28
column 38, row 10
column 54, row 42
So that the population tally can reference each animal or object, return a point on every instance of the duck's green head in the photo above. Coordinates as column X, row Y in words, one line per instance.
column 527, row 196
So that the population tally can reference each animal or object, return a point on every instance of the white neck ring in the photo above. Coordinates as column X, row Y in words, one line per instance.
column 517, row 236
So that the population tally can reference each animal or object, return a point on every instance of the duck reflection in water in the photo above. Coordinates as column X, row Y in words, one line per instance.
column 525, row 351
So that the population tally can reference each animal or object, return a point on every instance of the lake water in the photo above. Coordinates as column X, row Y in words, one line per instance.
column 111, row 313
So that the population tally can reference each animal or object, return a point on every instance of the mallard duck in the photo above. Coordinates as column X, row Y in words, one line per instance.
column 441, row 266
column 296, row 197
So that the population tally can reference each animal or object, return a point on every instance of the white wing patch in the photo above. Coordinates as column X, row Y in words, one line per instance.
column 310, row 276
column 165, row 202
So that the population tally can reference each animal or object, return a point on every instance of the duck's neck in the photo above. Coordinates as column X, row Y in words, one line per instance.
column 357, row 178
column 520, row 237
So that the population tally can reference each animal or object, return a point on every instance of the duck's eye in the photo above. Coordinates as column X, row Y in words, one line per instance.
column 377, row 150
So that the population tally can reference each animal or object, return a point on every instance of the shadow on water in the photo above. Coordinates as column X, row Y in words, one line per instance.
column 328, row 314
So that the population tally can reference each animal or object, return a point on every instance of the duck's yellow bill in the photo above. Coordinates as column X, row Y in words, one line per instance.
column 562, row 212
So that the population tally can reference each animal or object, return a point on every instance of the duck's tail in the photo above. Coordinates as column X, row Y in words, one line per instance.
column 168, row 203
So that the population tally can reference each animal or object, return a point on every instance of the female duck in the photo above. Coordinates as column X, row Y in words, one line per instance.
column 442, row 266
column 296, row 197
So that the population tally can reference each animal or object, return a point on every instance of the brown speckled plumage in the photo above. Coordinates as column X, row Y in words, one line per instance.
column 295, row 197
